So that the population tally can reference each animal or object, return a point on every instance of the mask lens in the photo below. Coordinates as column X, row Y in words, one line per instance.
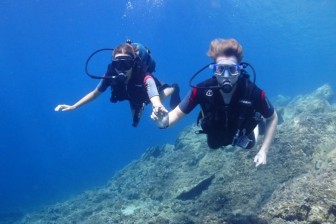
column 219, row 69
column 232, row 69
column 123, row 64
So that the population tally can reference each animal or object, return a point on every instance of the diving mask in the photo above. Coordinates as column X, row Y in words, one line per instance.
column 123, row 63
column 220, row 69
column 226, row 75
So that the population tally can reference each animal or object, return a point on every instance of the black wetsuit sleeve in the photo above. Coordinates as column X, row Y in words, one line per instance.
column 189, row 102
column 105, row 83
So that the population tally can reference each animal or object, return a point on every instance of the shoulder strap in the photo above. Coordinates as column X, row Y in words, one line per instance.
column 249, row 86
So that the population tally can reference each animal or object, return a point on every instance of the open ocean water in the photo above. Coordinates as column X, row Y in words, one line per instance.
column 46, row 157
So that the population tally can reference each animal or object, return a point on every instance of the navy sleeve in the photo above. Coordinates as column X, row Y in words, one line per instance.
column 189, row 102
column 103, row 85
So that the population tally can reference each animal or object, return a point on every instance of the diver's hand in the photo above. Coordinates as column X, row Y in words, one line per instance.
column 64, row 107
column 160, row 116
column 158, row 111
column 260, row 158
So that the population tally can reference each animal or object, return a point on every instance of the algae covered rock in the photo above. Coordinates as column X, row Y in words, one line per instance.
column 309, row 198
column 187, row 182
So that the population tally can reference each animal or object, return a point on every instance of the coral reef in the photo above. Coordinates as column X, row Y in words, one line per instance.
column 189, row 183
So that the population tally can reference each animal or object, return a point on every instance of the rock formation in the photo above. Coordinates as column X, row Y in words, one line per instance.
column 189, row 183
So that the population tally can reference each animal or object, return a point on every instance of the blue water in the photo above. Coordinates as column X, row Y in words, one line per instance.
column 47, row 157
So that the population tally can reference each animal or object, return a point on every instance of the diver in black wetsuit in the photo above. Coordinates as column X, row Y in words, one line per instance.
column 231, row 105
column 130, row 78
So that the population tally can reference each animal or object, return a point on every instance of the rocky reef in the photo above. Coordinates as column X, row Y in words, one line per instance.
column 188, row 183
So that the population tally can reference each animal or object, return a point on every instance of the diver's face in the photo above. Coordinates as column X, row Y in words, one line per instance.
column 226, row 72
column 123, row 64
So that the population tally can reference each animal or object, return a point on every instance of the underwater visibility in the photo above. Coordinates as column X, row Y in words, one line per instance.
column 130, row 162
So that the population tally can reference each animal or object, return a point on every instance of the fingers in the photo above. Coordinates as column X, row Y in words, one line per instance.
column 260, row 163
column 154, row 117
column 160, row 116
column 260, row 159
column 256, row 160
column 163, row 109
column 62, row 107
column 158, row 112
column 160, row 109
column 154, row 114
column 58, row 107
column 257, row 164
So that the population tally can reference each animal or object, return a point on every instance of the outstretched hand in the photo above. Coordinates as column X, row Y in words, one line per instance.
column 160, row 116
column 158, row 112
column 64, row 107
column 260, row 158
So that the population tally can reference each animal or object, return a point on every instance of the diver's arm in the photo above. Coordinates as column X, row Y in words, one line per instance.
column 164, row 119
column 157, row 105
column 153, row 94
column 271, row 124
column 156, row 101
column 175, row 115
column 86, row 99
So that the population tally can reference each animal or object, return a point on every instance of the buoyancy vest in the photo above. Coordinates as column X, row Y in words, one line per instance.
column 135, row 90
column 233, row 120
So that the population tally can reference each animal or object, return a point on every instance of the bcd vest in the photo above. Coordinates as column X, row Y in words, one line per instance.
column 239, row 116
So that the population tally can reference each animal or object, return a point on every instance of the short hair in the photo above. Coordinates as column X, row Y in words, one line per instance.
column 124, row 49
column 225, row 47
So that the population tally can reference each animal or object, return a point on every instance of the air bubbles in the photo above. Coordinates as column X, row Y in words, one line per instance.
column 129, row 5
column 143, row 7
column 155, row 3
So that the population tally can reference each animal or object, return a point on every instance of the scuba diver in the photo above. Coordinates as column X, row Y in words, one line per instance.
column 130, row 78
column 233, row 108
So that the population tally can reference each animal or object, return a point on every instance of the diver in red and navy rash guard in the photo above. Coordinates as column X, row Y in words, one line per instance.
column 231, row 105
column 130, row 78
column 220, row 119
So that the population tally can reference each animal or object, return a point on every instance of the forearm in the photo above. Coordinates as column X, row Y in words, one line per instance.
column 156, row 102
column 152, row 91
column 271, row 124
column 88, row 98
column 175, row 115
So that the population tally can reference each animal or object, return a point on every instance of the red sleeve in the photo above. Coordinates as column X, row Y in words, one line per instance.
column 148, row 76
column 267, row 108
